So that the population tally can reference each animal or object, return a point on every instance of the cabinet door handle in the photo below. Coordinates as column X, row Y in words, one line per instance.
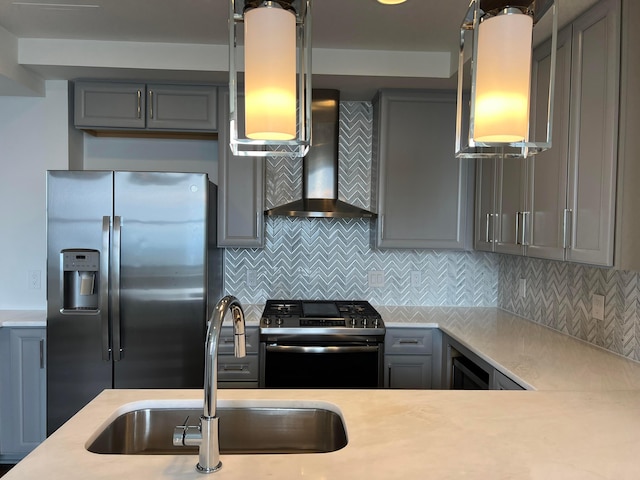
column 409, row 341
column 150, row 103
column 42, row 353
column 567, row 219
column 518, row 228
column 525, row 227
column 139, row 104
column 488, row 227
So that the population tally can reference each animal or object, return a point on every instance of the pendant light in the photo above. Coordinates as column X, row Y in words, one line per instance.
column 273, row 116
column 494, row 117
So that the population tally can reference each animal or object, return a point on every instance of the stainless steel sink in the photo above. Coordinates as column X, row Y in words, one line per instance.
column 243, row 430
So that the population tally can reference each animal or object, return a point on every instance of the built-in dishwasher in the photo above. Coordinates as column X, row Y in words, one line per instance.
column 468, row 376
column 464, row 370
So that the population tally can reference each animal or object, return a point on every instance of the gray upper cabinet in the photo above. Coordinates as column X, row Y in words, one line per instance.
column 560, row 204
column 593, row 133
column 153, row 107
column 485, row 224
column 109, row 105
column 547, row 195
column 511, row 216
column 421, row 188
column 182, row 107
column 240, row 190
column 500, row 205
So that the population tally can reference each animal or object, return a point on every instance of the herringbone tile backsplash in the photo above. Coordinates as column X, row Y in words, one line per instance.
column 331, row 258
column 559, row 294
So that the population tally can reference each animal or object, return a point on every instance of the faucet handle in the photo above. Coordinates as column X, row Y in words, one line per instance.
column 186, row 436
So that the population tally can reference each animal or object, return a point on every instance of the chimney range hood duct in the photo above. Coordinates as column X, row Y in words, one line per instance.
column 320, row 166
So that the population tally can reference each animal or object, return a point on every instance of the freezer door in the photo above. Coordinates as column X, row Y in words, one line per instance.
column 162, row 264
column 79, row 206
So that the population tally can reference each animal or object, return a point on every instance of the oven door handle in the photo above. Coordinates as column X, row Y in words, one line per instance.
column 322, row 348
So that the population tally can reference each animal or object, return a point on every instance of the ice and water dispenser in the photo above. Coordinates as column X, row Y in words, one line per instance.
column 80, row 277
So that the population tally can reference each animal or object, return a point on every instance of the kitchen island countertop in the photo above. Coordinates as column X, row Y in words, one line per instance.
column 407, row 434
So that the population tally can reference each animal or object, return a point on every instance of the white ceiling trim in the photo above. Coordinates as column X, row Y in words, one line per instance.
column 14, row 78
column 214, row 58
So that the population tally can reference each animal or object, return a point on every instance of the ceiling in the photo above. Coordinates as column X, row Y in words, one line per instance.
column 397, row 38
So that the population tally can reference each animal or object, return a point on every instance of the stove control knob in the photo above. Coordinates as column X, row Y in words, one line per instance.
column 353, row 321
column 267, row 321
column 365, row 320
column 376, row 323
column 279, row 321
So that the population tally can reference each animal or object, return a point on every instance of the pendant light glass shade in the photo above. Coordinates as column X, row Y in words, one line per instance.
column 270, row 74
column 270, row 109
column 503, row 79
column 494, row 113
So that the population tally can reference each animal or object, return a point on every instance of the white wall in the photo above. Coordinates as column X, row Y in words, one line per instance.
column 154, row 154
column 33, row 139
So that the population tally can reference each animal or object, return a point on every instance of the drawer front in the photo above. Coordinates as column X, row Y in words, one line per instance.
column 232, row 369
column 252, row 335
column 408, row 341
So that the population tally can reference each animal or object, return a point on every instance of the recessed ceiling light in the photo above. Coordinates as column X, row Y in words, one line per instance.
column 391, row 2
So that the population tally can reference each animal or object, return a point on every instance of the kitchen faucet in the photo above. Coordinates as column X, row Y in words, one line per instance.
column 205, row 435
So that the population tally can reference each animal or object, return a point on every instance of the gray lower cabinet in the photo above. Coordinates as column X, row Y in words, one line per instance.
column 409, row 360
column 23, row 392
column 149, row 107
column 238, row 372
column 240, row 189
column 422, row 190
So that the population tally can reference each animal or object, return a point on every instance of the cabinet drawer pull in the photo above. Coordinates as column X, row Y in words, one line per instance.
column 233, row 368
column 409, row 341
column 42, row 353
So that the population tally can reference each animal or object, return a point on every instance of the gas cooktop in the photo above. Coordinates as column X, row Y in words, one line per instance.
column 321, row 316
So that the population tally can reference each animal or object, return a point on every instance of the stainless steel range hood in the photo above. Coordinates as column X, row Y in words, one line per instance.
column 320, row 166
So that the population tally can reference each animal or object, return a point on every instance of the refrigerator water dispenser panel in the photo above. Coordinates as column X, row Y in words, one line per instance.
column 80, row 277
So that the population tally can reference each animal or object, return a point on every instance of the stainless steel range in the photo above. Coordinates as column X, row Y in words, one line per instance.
column 321, row 344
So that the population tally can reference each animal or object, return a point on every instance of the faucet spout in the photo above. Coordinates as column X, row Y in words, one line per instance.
column 211, row 348
column 206, row 435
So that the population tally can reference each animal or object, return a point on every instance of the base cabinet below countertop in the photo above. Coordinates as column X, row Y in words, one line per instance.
column 23, row 391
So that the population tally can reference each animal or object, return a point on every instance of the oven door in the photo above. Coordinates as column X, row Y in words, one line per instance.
column 321, row 365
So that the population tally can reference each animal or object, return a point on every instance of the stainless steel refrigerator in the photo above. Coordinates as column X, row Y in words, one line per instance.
column 131, row 260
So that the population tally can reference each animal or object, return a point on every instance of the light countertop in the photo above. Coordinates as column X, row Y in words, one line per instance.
column 392, row 434
column 23, row 318
column 533, row 355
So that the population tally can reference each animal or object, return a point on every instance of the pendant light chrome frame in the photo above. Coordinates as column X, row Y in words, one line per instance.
column 298, row 147
column 466, row 146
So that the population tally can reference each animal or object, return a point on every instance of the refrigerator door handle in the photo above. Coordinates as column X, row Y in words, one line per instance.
column 115, row 288
column 104, row 288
